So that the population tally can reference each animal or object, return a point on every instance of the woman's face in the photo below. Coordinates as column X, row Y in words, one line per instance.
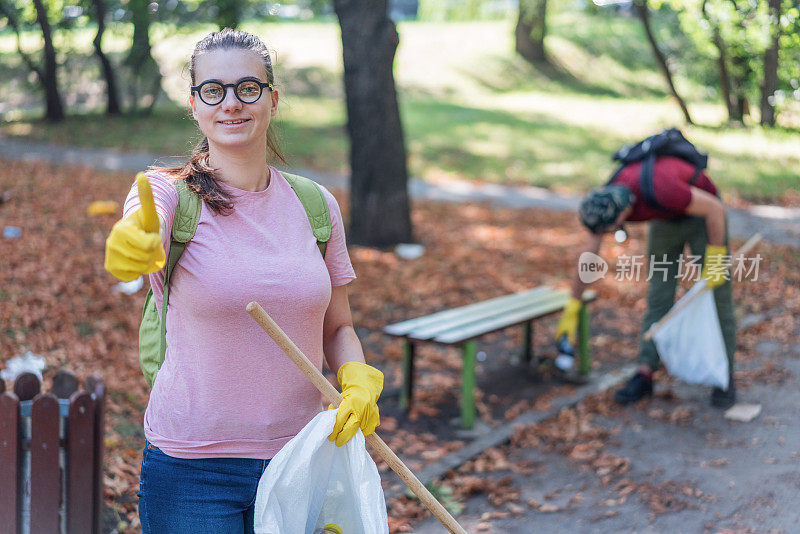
column 230, row 66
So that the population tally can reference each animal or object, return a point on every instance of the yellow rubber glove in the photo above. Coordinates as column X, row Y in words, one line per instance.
column 568, row 324
column 134, row 247
column 361, row 387
column 714, row 269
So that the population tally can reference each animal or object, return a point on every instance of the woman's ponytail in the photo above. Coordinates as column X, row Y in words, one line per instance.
column 199, row 176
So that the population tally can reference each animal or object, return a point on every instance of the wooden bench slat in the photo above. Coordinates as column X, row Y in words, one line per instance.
column 462, row 334
column 457, row 335
column 474, row 320
column 500, row 307
column 404, row 327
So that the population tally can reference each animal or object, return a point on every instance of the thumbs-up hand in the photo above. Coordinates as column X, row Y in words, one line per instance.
column 134, row 247
column 146, row 217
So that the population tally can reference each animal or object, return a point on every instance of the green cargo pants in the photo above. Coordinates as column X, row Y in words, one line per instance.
column 665, row 242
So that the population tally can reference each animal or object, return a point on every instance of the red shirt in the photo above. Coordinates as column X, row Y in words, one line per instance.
column 672, row 189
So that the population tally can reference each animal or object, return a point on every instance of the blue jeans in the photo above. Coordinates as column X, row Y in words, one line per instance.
column 198, row 496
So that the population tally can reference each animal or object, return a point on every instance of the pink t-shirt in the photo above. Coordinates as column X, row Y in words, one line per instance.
column 225, row 388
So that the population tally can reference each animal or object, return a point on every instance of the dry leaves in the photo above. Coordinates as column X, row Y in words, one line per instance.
column 56, row 300
column 680, row 415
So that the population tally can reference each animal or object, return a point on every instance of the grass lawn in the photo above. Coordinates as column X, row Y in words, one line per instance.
column 470, row 108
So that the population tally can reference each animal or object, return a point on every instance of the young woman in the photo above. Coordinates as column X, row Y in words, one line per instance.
column 226, row 398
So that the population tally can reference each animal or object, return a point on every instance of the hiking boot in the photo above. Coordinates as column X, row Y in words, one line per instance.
column 724, row 398
column 637, row 387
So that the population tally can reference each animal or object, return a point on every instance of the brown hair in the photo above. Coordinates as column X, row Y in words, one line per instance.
column 197, row 172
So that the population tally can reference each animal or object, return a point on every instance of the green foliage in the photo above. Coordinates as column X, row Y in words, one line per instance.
column 789, row 55
column 229, row 13
column 745, row 29
column 23, row 11
column 454, row 10
column 471, row 109
column 320, row 7
column 622, row 57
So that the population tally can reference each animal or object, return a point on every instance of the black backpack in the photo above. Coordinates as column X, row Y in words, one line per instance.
column 670, row 142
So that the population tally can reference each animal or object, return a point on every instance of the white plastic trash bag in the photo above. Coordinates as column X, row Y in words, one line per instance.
column 690, row 343
column 311, row 482
column 27, row 363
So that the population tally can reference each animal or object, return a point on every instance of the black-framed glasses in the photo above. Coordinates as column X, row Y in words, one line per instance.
column 248, row 91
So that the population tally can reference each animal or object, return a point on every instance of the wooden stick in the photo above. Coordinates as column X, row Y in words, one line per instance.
column 330, row 392
column 681, row 304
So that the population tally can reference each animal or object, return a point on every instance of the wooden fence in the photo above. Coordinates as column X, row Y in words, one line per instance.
column 51, row 456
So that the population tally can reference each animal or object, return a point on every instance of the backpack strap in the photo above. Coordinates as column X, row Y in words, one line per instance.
column 695, row 175
column 647, row 182
column 313, row 201
column 184, row 225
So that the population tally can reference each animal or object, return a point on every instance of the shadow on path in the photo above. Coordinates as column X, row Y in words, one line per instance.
column 777, row 224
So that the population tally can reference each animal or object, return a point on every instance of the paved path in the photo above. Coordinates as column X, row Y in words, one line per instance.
column 708, row 474
column 776, row 224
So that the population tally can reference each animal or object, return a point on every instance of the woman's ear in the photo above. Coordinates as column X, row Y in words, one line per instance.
column 191, row 105
column 274, row 108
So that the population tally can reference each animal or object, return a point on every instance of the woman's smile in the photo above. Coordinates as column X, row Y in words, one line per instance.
column 232, row 124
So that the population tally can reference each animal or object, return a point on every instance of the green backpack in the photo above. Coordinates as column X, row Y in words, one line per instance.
column 153, row 331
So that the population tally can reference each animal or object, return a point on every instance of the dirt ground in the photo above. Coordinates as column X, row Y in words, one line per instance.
column 666, row 465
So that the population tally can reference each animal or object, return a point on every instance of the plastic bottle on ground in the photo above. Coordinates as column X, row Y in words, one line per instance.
column 566, row 354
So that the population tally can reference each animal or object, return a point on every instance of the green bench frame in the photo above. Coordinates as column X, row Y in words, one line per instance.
column 462, row 326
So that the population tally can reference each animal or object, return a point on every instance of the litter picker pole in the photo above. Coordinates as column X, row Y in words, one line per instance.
column 655, row 327
column 330, row 392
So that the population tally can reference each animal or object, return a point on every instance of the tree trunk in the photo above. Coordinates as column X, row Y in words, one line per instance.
column 724, row 77
column 379, row 204
column 644, row 14
column 112, row 107
column 741, row 72
column 770, row 82
column 722, row 63
column 531, row 29
column 54, row 108
column 144, row 69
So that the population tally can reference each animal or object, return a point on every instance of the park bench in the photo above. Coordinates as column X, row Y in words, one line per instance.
column 462, row 326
